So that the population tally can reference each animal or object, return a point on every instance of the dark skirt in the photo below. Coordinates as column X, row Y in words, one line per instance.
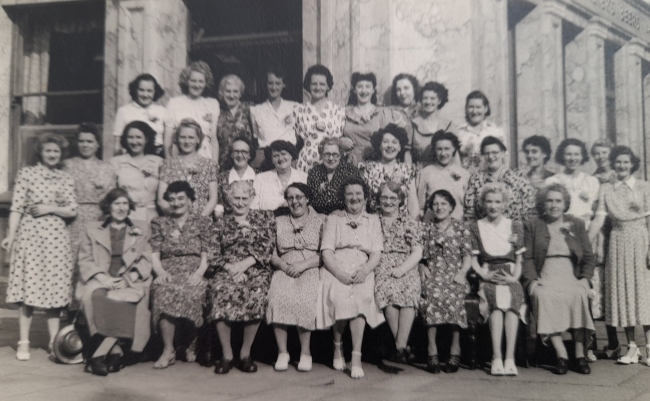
column 113, row 318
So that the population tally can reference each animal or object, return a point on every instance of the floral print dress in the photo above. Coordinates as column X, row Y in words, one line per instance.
column 375, row 174
column 325, row 197
column 231, row 126
column 313, row 126
column 231, row 243
column 199, row 176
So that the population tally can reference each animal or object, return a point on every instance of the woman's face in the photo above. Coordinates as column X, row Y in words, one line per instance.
column 493, row 157
column 572, row 157
column 231, row 94
column 318, row 87
column 534, row 156
column 281, row 160
column 554, row 205
column 493, row 205
column 444, row 151
column 136, row 141
column 196, row 84
column 405, row 92
column 430, row 102
column 475, row 111
column 274, row 85
column 240, row 200
column 623, row 166
column 146, row 92
column 87, row 144
column 50, row 155
column 120, row 209
column 180, row 203
column 388, row 202
column 601, row 156
column 188, row 140
column 331, row 157
column 297, row 201
column 390, row 147
column 441, row 208
column 364, row 91
column 240, row 153
column 355, row 200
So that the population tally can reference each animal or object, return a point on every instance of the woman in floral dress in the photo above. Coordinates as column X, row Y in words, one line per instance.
column 237, row 168
column 447, row 251
column 397, row 283
column 180, row 245
column 235, row 117
column 243, row 243
column 199, row 172
column 318, row 119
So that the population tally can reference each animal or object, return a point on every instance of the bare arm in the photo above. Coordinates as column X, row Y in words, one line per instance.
column 412, row 261
column 212, row 199
column 162, row 203
column 596, row 225
column 412, row 201
column 14, row 221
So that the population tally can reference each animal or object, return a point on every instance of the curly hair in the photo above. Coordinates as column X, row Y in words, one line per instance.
column 353, row 180
column 443, row 193
column 541, row 142
column 278, row 146
column 376, row 139
column 559, row 153
column 252, row 152
column 135, row 84
column 329, row 141
column 395, row 188
column 112, row 196
column 440, row 90
column 477, row 94
column 393, row 89
column 180, row 186
column 197, row 66
column 56, row 139
column 491, row 140
column 90, row 128
column 189, row 123
column 495, row 188
column 304, row 188
column 147, row 131
column 355, row 79
column 230, row 79
column 621, row 151
column 543, row 193
column 442, row 135
column 318, row 69
column 244, row 184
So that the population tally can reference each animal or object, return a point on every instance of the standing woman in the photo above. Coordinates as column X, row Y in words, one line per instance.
column 387, row 164
column 200, row 172
column 397, row 283
column 237, row 168
column 144, row 91
column 235, row 117
column 404, row 93
column 41, row 258
column 295, row 284
column 627, row 277
column 317, row 119
column 537, row 150
column 433, row 97
column 138, row 170
column 195, row 81
column 600, row 152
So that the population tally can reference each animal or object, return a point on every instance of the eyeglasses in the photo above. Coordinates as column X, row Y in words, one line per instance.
column 391, row 199
column 240, row 152
column 331, row 155
column 297, row 198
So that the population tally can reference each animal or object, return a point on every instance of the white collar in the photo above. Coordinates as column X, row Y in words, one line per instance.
column 629, row 182
column 249, row 174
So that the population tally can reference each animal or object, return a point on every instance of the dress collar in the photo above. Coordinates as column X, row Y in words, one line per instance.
column 249, row 174
column 629, row 182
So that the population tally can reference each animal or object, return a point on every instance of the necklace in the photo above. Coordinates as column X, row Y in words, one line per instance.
column 354, row 223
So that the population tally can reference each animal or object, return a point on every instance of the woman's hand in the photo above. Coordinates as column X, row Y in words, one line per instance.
column 460, row 277
column 344, row 278
column 424, row 272
column 504, row 278
column 532, row 286
column 163, row 278
column 292, row 270
column 7, row 243
column 194, row 279
column 111, row 283
column 359, row 277
column 41, row 210
column 397, row 273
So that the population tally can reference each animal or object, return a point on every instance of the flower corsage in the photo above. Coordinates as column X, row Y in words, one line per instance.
column 135, row 232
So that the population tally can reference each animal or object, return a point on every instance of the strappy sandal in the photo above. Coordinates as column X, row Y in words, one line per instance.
column 167, row 358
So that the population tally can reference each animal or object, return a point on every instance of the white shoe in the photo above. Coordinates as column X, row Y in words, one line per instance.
column 509, row 368
column 338, row 362
column 497, row 368
column 647, row 355
column 22, row 351
column 356, row 372
column 305, row 363
column 633, row 356
column 282, row 363
column 591, row 357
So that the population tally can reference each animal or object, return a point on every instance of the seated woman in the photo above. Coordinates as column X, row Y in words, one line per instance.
column 115, row 270
column 497, row 248
column 237, row 168
column 295, row 284
column 180, row 258
column 558, row 264
column 351, row 250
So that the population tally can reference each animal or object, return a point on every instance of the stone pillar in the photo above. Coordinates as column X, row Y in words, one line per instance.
column 646, row 112
column 6, row 47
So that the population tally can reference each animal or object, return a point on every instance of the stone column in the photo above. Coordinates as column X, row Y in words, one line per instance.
column 646, row 112
column 6, row 47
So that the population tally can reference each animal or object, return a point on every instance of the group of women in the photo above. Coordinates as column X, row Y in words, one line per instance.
column 360, row 215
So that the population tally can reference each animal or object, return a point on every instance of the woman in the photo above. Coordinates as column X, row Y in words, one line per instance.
column 497, row 248
column 351, row 250
column 433, row 97
column 600, row 152
column 270, row 186
column 397, row 283
column 115, row 266
column 627, row 279
column 363, row 117
column 404, row 92
column 442, row 173
column 475, row 129
column 144, row 91
column 180, row 243
column 537, row 150
column 195, row 81
column 318, row 119
column 38, row 240
column 326, row 177
column 572, row 153
column 521, row 192
column 558, row 264
column 447, row 252
column 295, row 284
column 199, row 172
column 387, row 164
column 138, row 170
column 244, row 242
column 237, row 168
column 235, row 118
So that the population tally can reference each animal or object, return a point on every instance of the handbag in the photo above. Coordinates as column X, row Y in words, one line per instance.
column 127, row 294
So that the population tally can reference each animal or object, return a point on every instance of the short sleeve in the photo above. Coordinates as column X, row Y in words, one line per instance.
column 156, row 240
column 21, row 188
column 377, row 244
column 328, row 242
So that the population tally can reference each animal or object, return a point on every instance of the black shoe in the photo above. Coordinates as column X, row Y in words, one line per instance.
column 433, row 364
column 97, row 366
column 582, row 366
column 247, row 365
column 400, row 356
column 452, row 364
column 114, row 363
column 562, row 366
column 223, row 366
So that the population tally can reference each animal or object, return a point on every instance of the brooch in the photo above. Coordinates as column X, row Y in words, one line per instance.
column 135, row 231
column 353, row 224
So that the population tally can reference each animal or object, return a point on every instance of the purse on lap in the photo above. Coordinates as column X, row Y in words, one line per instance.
column 128, row 294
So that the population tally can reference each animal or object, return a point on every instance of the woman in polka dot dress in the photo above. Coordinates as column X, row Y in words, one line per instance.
column 41, row 259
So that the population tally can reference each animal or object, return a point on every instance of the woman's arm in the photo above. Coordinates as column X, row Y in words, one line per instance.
column 170, row 149
column 597, row 224
column 162, row 276
column 412, row 201
column 462, row 273
column 330, row 263
column 212, row 199
column 371, row 264
column 162, row 203
column 411, row 262
column 215, row 144
column 14, row 221
column 65, row 212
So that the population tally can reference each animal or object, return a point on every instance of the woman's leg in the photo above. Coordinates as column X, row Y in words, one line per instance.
column 305, row 341
column 280, row 331
column 357, row 326
column 167, row 330
column 25, row 322
column 455, row 340
column 432, row 347
column 629, row 335
column 223, row 330
column 392, row 317
column 53, row 322
column 496, row 332
column 250, row 330
column 558, row 344
column 337, row 331
column 406, row 316
column 579, row 337
column 612, row 337
column 511, row 324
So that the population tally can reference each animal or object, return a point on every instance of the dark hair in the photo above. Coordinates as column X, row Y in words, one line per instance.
column 57, row 139
column 555, row 187
column 440, row 90
column 355, row 79
column 393, row 187
column 278, row 146
column 200, row 67
column 541, row 142
column 112, row 196
column 444, row 194
column 135, row 84
column 276, row 70
column 353, row 180
column 490, row 140
column 180, row 186
column 318, row 69
column 304, row 188
column 378, row 137
column 149, row 136
column 559, row 153
column 442, row 135
column 624, row 150
column 478, row 95
column 252, row 152
column 90, row 128
column 393, row 90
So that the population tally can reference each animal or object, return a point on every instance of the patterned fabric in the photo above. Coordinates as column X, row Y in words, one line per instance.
column 399, row 237
column 602, row 245
column 154, row 115
column 140, row 178
column 583, row 189
column 223, row 180
column 325, row 197
column 605, row 176
column 374, row 174
column 41, row 259
column 231, row 126
column 470, row 143
column 451, row 178
column 443, row 300
column 199, row 176
column 521, row 194
column 539, row 182
column 204, row 110
column 231, row 243
column 292, row 301
column 313, row 126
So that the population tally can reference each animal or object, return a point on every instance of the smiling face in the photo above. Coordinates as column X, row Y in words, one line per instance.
column 188, row 140
column 534, row 156
column 601, row 157
column 240, row 200
column 87, row 144
column 389, row 147
column 475, row 111
column 136, row 140
column 430, row 102
column 231, row 94
column 355, row 201
column 297, row 201
column 554, row 205
column 274, row 85
column 493, row 156
column 318, row 87
column 180, row 203
column 572, row 157
column 623, row 167
column 240, row 153
column 441, row 208
column 405, row 92
column 493, row 205
column 444, row 151
column 50, row 155
column 146, row 92
column 389, row 202
column 364, row 91
column 281, row 160
column 120, row 209
column 196, row 84
column 331, row 157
